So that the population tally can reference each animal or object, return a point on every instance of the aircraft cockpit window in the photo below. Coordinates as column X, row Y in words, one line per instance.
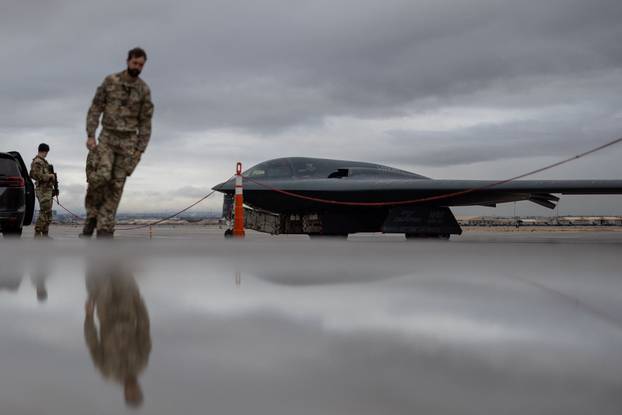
column 257, row 172
column 305, row 169
column 271, row 170
column 279, row 171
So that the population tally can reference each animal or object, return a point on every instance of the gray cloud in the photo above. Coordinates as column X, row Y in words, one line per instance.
column 526, row 139
column 241, row 80
column 270, row 65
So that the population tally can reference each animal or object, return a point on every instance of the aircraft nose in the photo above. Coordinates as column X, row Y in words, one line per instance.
column 224, row 187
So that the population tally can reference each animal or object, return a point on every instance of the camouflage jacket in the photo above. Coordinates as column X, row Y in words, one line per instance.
column 39, row 171
column 126, row 105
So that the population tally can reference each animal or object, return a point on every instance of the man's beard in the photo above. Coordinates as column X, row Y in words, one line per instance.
column 133, row 72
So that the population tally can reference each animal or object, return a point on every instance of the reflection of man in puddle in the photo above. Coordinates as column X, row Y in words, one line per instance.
column 121, row 347
column 38, row 280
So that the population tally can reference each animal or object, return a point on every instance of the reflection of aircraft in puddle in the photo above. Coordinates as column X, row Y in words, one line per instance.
column 355, row 182
column 121, row 345
column 334, row 270
column 293, row 277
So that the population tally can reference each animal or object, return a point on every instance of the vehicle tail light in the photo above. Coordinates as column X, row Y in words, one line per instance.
column 12, row 181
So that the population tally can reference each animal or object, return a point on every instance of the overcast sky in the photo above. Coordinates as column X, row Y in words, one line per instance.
column 476, row 89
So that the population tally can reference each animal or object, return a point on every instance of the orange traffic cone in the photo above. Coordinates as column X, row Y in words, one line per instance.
column 238, row 221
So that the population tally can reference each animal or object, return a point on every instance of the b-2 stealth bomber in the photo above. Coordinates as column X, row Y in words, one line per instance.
column 324, row 197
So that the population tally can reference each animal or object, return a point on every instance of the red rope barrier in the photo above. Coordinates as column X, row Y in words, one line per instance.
column 146, row 224
column 168, row 217
column 68, row 211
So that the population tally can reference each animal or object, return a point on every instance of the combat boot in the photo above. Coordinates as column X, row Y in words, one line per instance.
column 42, row 235
column 103, row 234
column 89, row 228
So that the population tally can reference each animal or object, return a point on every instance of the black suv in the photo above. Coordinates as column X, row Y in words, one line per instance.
column 17, row 194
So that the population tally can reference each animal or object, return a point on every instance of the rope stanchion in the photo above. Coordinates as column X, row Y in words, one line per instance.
column 432, row 198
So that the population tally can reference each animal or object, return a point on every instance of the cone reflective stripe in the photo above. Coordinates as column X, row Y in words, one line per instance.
column 238, row 219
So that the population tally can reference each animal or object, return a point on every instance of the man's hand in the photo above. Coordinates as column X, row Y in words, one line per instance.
column 91, row 143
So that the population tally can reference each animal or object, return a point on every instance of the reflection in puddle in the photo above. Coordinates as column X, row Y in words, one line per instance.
column 309, row 328
column 121, row 345
column 12, row 274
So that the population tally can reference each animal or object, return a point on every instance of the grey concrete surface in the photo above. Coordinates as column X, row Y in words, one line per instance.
column 189, row 232
column 508, row 323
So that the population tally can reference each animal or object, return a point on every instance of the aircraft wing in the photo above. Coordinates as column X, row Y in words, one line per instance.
column 459, row 192
column 577, row 187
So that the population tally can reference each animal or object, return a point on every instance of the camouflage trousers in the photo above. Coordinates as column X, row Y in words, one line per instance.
column 114, row 158
column 44, row 196
column 94, row 196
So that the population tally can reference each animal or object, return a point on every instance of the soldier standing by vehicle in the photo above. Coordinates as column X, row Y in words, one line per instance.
column 46, row 188
column 125, row 102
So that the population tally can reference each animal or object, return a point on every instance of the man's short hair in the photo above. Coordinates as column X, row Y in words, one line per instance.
column 136, row 53
column 44, row 147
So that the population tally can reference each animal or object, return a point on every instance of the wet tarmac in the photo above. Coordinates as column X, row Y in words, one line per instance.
column 190, row 323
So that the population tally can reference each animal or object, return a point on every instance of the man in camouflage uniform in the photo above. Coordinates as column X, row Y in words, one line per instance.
column 125, row 102
column 41, row 173
column 120, row 347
